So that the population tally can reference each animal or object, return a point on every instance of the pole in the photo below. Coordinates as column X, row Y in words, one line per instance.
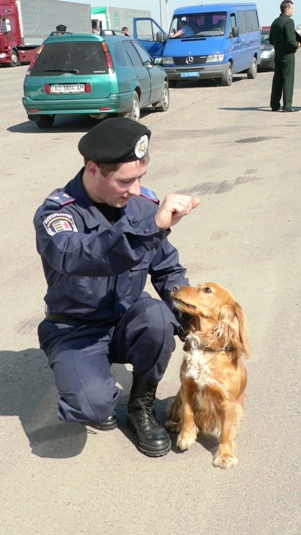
column 167, row 25
column 160, row 13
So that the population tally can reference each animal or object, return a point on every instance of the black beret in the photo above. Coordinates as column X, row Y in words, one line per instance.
column 61, row 28
column 117, row 140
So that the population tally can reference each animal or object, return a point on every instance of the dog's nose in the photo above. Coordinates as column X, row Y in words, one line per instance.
column 176, row 288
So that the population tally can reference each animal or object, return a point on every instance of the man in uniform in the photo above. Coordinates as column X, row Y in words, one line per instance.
column 99, row 238
column 283, row 38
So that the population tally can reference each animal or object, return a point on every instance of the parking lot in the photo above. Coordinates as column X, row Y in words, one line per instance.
column 224, row 145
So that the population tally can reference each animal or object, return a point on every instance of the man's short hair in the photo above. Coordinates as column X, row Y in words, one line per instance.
column 107, row 168
column 285, row 4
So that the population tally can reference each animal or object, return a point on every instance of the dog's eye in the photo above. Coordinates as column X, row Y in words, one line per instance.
column 207, row 290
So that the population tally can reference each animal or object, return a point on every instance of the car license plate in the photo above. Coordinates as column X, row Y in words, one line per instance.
column 67, row 88
column 189, row 74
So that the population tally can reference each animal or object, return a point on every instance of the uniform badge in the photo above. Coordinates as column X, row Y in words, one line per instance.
column 55, row 223
column 141, row 147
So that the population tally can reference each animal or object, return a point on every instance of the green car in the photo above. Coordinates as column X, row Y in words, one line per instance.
column 90, row 74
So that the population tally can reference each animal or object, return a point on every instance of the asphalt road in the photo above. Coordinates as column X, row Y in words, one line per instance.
column 225, row 146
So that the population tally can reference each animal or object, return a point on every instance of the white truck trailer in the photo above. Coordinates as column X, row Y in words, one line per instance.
column 115, row 18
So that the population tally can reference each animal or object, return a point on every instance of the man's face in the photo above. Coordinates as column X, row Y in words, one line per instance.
column 119, row 186
column 289, row 10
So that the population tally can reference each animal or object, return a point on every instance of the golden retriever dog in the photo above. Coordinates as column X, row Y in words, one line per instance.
column 213, row 377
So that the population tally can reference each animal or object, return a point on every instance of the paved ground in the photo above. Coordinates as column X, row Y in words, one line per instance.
column 224, row 145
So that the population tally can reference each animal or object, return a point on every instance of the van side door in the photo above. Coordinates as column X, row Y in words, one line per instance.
column 150, row 35
column 242, row 61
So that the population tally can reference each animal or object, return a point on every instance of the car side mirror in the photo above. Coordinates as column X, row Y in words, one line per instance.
column 160, row 37
column 235, row 31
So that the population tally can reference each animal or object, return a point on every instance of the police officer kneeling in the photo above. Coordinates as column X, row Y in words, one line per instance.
column 99, row 237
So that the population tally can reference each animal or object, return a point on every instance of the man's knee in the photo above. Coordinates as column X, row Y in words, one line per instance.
column 158, row 316
column 93, row 404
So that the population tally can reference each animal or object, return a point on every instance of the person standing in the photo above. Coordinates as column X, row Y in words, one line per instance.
column 99, row 238
column 283, row 38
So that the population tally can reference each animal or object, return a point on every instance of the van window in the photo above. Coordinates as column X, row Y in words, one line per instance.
column 252, row 20
column 210, row 24
column 241, row 22
column 146, row 30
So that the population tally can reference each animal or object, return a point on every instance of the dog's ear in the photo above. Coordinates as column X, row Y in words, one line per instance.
column 243, row 331
column 231, row 329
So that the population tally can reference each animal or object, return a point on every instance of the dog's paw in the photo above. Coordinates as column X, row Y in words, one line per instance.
column 174, row 427
column 224, row 461
column 185, row 440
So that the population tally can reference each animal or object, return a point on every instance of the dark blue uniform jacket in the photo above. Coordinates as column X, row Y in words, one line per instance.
column 96, row 270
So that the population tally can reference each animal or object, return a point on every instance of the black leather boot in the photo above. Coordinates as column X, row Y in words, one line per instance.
column 153, row 439
column 107, row 425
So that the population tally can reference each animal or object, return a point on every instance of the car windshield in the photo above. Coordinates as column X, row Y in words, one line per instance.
column 73, row 57
column 199, row 24
column 265, row 38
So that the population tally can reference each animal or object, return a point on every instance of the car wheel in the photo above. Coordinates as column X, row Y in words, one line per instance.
column 134, row 112
column 228, row 75
column 45, row 121
column 163, row 104
column 14, row 58
column 252, row 72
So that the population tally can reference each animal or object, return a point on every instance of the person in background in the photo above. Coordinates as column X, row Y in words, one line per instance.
column 184, row 31
column 95, row 26
column 283, row 38
column 125, row 30
column 60, row 29
column 99, row 239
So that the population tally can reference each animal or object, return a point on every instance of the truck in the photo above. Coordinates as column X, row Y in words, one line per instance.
column 25, row 24
column 116, row 17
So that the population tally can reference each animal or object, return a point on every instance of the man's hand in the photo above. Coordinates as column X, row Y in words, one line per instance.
column 173, row 208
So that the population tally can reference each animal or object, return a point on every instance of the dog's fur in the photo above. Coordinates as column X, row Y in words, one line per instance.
column 213, row 377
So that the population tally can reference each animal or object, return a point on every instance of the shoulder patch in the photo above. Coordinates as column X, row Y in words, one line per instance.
column 61, row 198
column 55, row 223
column 149, row 194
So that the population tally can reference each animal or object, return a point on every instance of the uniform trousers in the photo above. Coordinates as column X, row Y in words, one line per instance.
column 81, row 354
column 283, row 80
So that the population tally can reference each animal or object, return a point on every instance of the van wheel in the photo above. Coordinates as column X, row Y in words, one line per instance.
column 252, row 72
column 172, row 83
column 163, row 104
column 228, row 76
column 134, row 112
column 45, row 121
column 14, row 58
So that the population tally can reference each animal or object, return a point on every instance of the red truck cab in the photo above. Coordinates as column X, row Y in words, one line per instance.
column 12, row 51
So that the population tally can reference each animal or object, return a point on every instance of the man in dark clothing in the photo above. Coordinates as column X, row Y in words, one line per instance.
column 99, row 238
column 283, row 38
